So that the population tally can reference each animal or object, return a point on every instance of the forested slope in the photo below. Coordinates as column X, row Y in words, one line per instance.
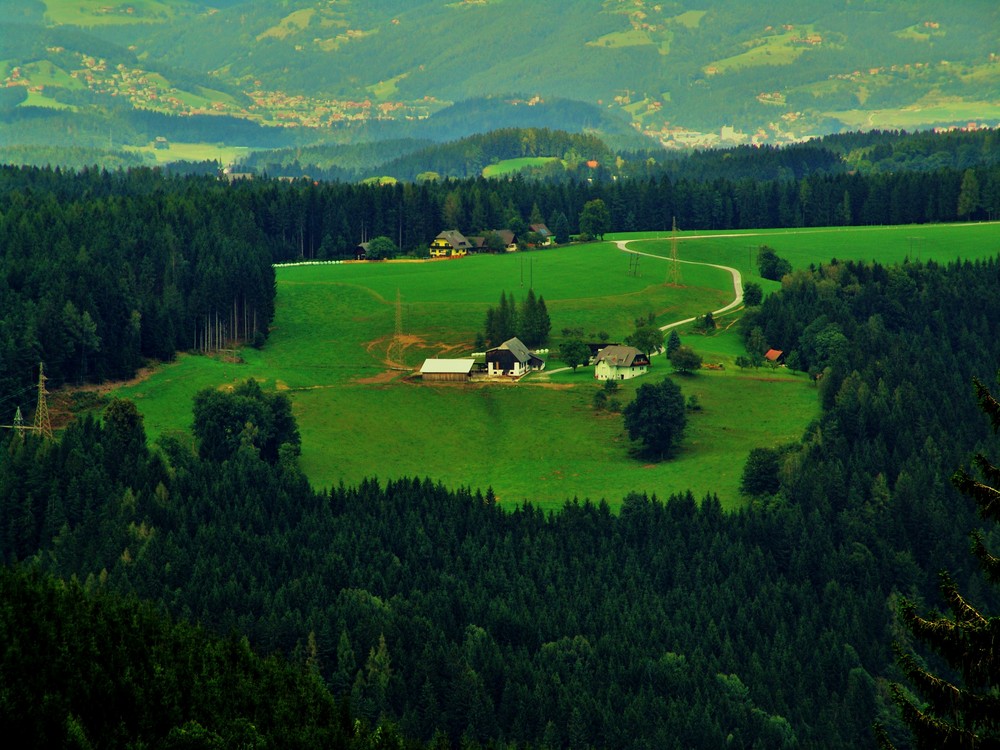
column 82, row 668
column 99, row 271
column 671, row 624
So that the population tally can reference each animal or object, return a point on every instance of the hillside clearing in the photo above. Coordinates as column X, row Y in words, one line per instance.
column 333, row 350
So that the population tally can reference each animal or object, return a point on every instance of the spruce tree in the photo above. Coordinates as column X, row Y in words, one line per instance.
column 965, row 714
column 506, row 319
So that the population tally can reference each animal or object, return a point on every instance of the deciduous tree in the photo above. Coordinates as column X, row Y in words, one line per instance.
column 574, row 353
column 685, row 359
column 753, row 295
column 770, row 265
column 381, row 248
column 657, row 418
column 595, row 219
column 646, row 338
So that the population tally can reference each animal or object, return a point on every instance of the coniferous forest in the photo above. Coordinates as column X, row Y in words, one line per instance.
column 143, row 579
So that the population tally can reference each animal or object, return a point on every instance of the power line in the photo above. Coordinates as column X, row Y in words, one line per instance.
column 674, row 276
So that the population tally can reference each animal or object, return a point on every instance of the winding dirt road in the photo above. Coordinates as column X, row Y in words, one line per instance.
column 737, row 289
column 737, row 279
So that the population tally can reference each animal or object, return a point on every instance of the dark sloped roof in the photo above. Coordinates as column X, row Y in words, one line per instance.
column 505, row 234
column 622, row 356
column 516, row 347
column 454, row 238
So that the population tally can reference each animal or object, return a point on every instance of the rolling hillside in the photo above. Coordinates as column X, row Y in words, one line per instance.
column 684, row 73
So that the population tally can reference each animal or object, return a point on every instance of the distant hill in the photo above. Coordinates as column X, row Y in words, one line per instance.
column 409, row 160
column 687, row 74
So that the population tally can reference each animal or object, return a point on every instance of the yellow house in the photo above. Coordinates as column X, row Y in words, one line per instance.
column 450, row 244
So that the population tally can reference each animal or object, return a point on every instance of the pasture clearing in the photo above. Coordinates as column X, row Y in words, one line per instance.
column 774, row 49
column 946, row 111
column 886, row 245
column 512, row 166
column 95, row 13
column 333, row 349
column 191, row 152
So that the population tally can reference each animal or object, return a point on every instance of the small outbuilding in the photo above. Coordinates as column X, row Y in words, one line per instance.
column 447, row 370
column 617, row 362
column 775, row 355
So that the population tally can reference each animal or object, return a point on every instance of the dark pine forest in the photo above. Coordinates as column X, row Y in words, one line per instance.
column 409, row 610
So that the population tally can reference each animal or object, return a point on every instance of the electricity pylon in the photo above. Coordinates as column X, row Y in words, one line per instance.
column 42, row 423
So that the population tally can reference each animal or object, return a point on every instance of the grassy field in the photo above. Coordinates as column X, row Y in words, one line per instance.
column 98, row 13
column 510, row 166
column 630, row 38
column 39, row 99
column 776, row 49
column 333, row 350
column 946, row 111
column 802, row 247
column 192, row 152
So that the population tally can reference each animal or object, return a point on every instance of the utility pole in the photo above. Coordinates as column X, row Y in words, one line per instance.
column 675, row 264
column 399, row 315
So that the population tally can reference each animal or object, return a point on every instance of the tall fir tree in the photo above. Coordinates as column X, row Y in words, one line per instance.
column 533, row 322
column 964, row 714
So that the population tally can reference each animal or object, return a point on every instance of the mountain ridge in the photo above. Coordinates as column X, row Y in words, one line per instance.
column 685, row 74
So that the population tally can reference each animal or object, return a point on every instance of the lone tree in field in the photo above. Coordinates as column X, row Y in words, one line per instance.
column 657, row 418
column 685, row 359
column 964, row 715
column 770, row 265
column 245, row 416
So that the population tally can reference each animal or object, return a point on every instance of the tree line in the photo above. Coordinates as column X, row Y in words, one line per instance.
column 100, row 271
column 303, row 219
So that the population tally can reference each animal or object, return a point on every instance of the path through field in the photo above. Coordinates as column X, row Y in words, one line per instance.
column 737, row 279
column 737, row 286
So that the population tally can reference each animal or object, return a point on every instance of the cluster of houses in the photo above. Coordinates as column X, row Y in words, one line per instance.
column 453, row 244
column 513, row 360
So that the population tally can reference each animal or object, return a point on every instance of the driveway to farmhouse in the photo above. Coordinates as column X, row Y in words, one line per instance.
column 737, row 287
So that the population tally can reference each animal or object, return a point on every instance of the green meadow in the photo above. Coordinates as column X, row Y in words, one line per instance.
column 945, row 110
column 511, row 166
column 804, row 247
column 191, row 152
column 334, row 350
column 774, row 49
column 93, row 13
